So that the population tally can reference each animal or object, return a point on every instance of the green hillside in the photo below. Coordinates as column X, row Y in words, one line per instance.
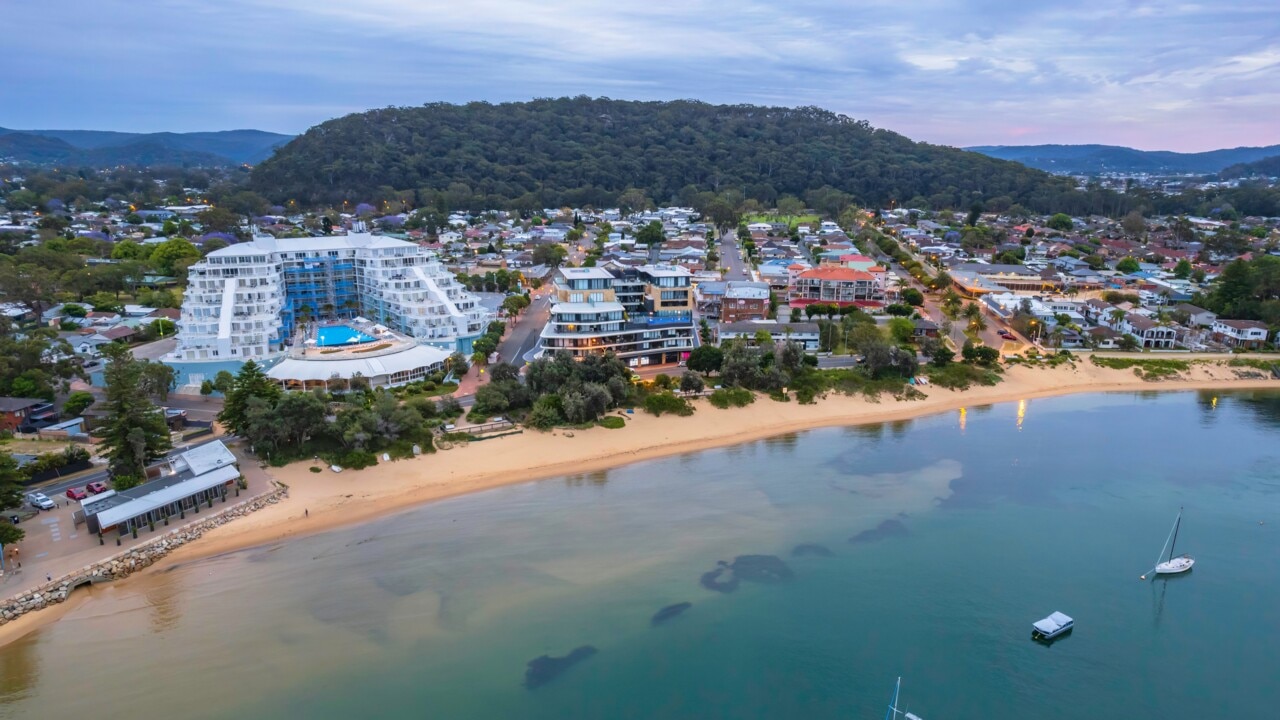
column 583, row 151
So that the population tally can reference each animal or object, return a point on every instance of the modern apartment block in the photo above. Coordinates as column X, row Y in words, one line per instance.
column 643, row 314
column 247, row 300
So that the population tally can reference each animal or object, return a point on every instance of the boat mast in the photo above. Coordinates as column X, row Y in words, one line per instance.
column 1177, row 524
column 893, row 704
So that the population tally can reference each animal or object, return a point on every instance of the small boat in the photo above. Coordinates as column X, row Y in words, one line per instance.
column 1051, row 627
column 1172, row 565
column 894, row 712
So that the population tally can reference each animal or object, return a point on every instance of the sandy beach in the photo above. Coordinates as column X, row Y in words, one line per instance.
column 322, row 501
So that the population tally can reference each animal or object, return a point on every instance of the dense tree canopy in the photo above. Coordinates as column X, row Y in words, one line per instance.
column 584, row 151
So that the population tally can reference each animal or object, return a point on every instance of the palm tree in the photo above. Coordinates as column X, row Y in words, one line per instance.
column 1116, row 315
column 977, row 323
column 972, row 311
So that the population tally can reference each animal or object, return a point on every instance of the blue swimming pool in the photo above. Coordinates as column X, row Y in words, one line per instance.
column 335, row 335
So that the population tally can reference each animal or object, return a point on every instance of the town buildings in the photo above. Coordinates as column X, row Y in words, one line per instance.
column 642, row 314
column 247, row 301
column 835, row 285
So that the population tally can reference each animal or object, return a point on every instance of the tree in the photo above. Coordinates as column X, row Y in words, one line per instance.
column 1134, row 224
column 224, row 381
column 1060, row 221
column 217, row 219
column 1183, row 269
column 77, row 402
column 134, row 432
column 790, row 206
column 1127, row 265
column 651, row 234
column 173, row 256
column 937, row 351
column 206, row 388
column 250, row 382
column 912, row 296
column 1127, row 342
column 457, row 363
column 551, row 255
column 901, row 329
column 10, row 487
column 691, row 382
column 130, row 250
column 705, row 359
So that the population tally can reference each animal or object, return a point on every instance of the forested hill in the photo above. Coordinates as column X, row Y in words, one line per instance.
column 1266, row 167
column 1093, row 159
column 583, row 151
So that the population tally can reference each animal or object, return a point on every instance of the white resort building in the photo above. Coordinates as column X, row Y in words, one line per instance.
column 251, row 300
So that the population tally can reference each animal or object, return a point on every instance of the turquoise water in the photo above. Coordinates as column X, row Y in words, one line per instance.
column 335, row 335
column 1003, row 514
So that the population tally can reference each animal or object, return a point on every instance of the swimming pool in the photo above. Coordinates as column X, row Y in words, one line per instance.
column 335, row 335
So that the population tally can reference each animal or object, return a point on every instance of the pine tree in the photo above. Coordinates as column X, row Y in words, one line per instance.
column 250, row 382
column 135, row 432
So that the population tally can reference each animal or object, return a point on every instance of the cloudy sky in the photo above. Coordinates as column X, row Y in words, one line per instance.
column 1145, row 73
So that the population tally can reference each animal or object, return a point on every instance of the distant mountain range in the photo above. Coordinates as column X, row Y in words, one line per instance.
column 100, row 148
column 1094, row 159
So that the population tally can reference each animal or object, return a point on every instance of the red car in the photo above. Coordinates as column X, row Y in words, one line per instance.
column 94, row 488
column 77, row 493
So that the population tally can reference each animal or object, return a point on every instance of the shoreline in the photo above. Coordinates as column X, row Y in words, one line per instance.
column 320, row 502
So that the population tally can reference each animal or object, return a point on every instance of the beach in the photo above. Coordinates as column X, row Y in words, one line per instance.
column 322, row 501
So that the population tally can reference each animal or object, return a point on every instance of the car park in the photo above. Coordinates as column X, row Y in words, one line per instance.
column 95, row 487
column 77, row 493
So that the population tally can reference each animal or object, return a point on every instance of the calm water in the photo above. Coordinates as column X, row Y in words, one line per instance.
column 1007, row 513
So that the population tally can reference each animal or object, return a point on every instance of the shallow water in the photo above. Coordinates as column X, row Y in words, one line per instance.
column 968, row 527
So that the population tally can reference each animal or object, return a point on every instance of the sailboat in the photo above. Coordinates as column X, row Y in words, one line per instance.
column 893, row 706
column 1173, row 565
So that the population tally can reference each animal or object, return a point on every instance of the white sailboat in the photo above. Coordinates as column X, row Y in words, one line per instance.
column 1172, row 565
column 894, row 712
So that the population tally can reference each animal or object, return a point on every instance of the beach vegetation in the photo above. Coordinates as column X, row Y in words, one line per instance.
column 667, row 403
column 691, row 382
column 961, row 376
column 613, row 422
column 976, row 354
column 1147, row 369
column 725, row 398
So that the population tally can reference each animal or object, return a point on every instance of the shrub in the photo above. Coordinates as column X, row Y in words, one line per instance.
column 315, row 469
column 613, row 422
column 732, row 397
column 958, row 376
column 666, row 402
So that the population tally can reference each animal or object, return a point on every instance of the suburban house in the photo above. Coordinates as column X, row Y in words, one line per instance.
column 1149, row 333
column 1197, row 317
column 924, row 328
column 17, row 413
column 1240, row 333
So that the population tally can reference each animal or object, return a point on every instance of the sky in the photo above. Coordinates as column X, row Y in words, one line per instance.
column 1156, row 74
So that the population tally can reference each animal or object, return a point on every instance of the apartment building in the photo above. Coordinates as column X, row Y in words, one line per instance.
column 247, row 300
column 643, row 314
column 836, row 285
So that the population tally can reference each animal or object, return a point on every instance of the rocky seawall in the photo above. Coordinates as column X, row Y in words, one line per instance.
column 124, row 564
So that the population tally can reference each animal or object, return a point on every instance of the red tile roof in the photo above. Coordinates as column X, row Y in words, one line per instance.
column 835, row 273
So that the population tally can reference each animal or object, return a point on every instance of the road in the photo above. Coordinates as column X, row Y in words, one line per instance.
column 731, row 257
column 520, row 343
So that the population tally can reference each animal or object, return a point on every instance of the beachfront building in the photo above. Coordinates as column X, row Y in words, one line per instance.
column 835, row 285
column 642, row 314
column 250, row 300
column 189, row 479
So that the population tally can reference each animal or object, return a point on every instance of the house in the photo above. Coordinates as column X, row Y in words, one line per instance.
column 744, row 301
column 16, row 413
column 1149, row 333
column 1240, row 333
column 805, row 333
column 1103, row 338
column 924, row 328
column 1198, row 317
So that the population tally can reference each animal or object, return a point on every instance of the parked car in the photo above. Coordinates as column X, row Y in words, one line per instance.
column 1005, row 334
column 40, row 501
column 95, row 487
column 77, row 493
